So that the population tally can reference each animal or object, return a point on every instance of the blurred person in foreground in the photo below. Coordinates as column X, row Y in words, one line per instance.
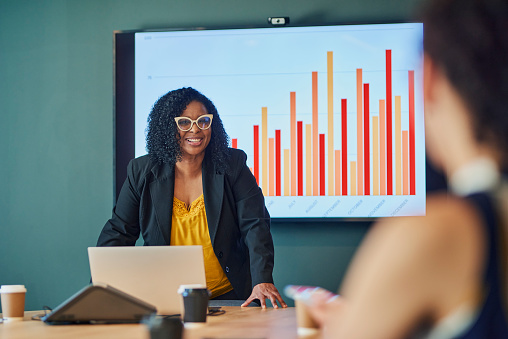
column 443, row 275
column 191, row 189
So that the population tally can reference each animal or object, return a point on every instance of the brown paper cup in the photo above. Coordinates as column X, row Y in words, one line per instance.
column 13, row 302
column 306, row 325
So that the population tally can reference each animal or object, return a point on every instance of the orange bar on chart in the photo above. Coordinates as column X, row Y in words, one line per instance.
column 382, row 148
column 286, row 172
column 337, row 172
column 271, row 166
column 264, row 149
column 398, row 148
column 292, row 111
column 308, row 159
column 359, row 128
column 405, row 162
column 366, row 139
column 375, row 156
column 315, row 136
column 353, row 177
column 389, row 134
column 330, row 122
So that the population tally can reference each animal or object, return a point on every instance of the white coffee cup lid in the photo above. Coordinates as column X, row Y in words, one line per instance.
column 12, row 289
column 189, row 287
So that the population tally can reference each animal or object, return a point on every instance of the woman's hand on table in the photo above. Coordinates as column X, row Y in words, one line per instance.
column 265, row 291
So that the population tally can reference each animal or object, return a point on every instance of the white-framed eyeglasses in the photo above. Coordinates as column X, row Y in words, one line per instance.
column 185, row 124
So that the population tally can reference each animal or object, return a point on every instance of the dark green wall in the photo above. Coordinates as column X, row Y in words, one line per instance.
column 56, row 123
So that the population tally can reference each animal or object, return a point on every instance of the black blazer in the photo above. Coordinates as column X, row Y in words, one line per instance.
column 238, row 221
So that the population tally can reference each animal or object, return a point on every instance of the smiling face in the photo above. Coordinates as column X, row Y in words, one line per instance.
column 194, row 141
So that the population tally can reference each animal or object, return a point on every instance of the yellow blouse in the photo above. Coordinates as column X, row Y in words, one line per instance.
column 190, row 227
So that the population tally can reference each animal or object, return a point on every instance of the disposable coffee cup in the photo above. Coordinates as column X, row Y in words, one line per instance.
column 304, row 322
column 194, row 304
column 13, row 302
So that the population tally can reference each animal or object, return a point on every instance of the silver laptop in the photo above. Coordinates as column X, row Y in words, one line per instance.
column 150, row 273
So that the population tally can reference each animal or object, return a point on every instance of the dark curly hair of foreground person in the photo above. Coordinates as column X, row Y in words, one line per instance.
column 468, row 39
column 162, row 133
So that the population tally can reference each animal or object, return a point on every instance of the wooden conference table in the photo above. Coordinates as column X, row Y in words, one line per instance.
column 237, row 322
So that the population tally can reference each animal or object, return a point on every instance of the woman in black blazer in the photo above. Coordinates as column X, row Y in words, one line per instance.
column 189, row 156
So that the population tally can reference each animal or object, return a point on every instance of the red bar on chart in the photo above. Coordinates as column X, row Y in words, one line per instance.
column 389, row 159
column 321, row 164
column 412, row 188
column 278, row 168
column 234, row 143
column 292, row 113
column 405, row 165
column 344, row 146
column 256, row 153
column 299, row 132
column 366, row 134
column 264, row 149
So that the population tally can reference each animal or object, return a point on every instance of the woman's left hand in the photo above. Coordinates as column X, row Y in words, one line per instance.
column 265, row 291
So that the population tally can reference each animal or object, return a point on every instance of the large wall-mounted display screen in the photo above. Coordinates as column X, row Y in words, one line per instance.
column 331, row 117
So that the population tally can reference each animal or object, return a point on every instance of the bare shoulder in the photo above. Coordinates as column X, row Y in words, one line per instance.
column 448, row 220
column 443, row 250
column 449, row 239
column 451, row 231
column 414, row 267
column 439, row 256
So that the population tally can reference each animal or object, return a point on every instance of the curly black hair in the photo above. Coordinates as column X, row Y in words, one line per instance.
column 468, row 40
column 162, row 133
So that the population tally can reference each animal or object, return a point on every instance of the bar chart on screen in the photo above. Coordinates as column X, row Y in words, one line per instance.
column 382, row 163
column 332, row 125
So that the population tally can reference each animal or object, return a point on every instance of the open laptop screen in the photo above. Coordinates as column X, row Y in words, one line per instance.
column 150, row 273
